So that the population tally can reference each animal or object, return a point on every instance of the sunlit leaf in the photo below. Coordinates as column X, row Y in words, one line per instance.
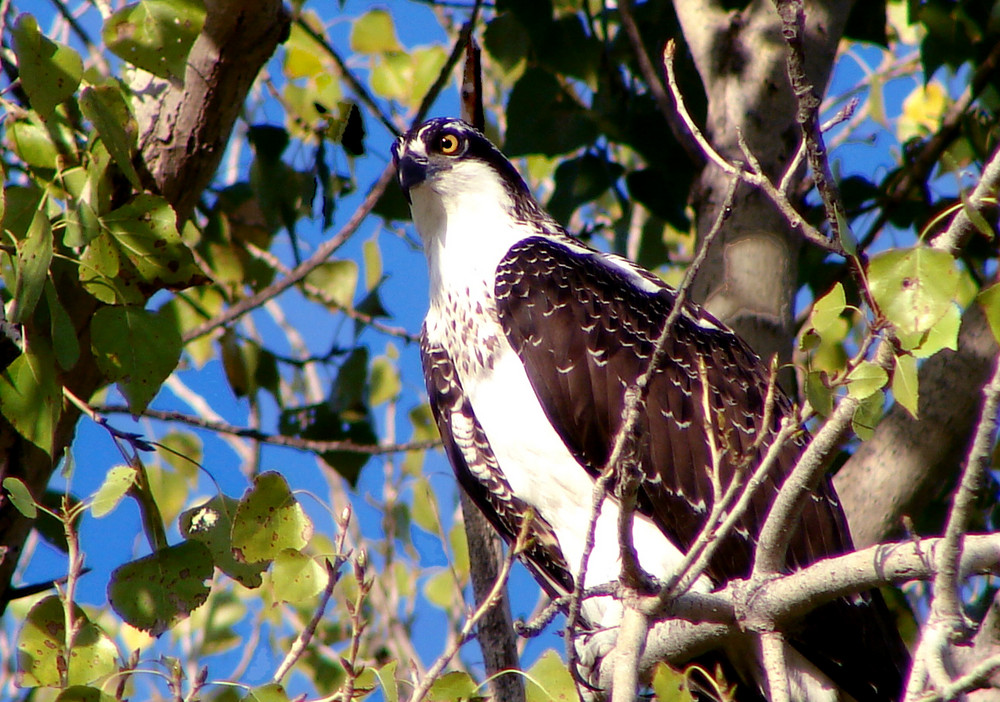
column 338, row 279
column 41, row 647
column 211, row 523
column 20, row 497
column 819, row 395
column 453, row 686
column 385, row 382
column 156, row 592
column 826, row 311
column 913, row 287
column 156, row 35
column 440, row 590
column 548, row 680
column 297, row 577
column 387, row 681
column 669, row 685
column 116, row 483
column 49, row 71
column 989, row 300
column 268, row 520
column 374, row 33
column 866, row 379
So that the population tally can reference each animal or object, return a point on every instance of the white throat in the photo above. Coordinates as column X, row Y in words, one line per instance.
column 466, row 223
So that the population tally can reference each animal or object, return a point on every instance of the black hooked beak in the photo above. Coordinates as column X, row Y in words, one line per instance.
column 411, row 171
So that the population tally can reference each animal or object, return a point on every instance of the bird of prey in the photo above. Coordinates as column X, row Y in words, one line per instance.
column 530, row 341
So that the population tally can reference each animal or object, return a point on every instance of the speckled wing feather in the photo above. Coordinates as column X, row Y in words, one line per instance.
column 585, row 327
column 479, row 475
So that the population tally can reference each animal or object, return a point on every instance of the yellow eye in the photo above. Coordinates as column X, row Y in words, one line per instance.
column 448, row 144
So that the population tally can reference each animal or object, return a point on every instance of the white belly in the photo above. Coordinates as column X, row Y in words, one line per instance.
column 541, row 471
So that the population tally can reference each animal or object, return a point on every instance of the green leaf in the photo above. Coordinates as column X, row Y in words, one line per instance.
column 34, row 254
column 549, row 680
column 407, row 77
column 268, row 520
column 543, row 119
column 670, row 685
column 41, row 647
column 20, row 497
column 64, row 341
column 49, row 71
column 373, row 262
column 385, row 382
column 452, row 687
column 116, row 483
column 145, row 230
column 424, row 508
column 338, row 279
column 271, row 692
column 156, row 35
column 374, row 33
column 989, row 300
column 826, row 311
column 943, row 335
column 136, row 349
column 211, row 523
column 818, row 394
column 387, row 681
column 867, row 415
column 33, row 144
column 866, row 379
column 156, row 592
column 905, row 383
column 297, row 577
column 31, row 395
column 913, row 287
column 440, row 589
column 81, row 693
column 107, row 110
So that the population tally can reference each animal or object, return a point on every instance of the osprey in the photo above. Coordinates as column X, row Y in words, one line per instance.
column 530, row 341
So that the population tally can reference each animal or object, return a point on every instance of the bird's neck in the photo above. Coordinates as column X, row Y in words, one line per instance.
column 464, row 240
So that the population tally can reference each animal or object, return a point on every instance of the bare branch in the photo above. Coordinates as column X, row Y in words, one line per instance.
column 807, row 115
column 326, row 249
column 295, row 442
column 785, row 510
column 753, row 176
column 962, row 229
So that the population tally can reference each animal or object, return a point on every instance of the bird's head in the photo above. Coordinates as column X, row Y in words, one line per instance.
column 447, row 167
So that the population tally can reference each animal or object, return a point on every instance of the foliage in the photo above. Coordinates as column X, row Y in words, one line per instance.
column 247, row 539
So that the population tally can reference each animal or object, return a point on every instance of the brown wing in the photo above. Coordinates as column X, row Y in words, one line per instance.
column 585, row 327
column 480, row 476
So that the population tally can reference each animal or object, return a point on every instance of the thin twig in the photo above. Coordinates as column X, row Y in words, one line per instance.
column 919, row 168
column 961, row 229
column 470, row 623
column 357, row 87
column 792, row 28
column 326, row 249
column 635, row 397
column 755, row 177
column 298, row 646
column 295, row 442
column 328, row 299
column 776, row 532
